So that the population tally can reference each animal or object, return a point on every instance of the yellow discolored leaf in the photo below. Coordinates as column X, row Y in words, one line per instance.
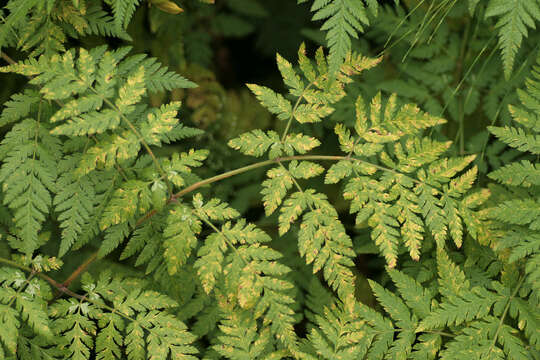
column 169, row 7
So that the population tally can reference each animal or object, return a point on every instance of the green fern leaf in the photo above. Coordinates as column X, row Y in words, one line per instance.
column 109, row 339
column 275, row 188
column 290, row 77
column 142, row 236
column 292, row 208
column 17, row 15
column 75, row 328
column 114, row 236
column 339, row 335
column 274, row 102
column 322, row 240
column 135, row 342
column 131, row 198
column 338, row 172
column 299, row 143
column 90, row 123
column 28, row 176
column 399, row 312
column 304, row 169
column 433, row 213
column 182, row 225
column 9, row 316
column 240, row 338
column 517, row 138
column 19, row 107
column 256, row 143
column 123, row 10
column 100, row 23
column 157, row 76
column 417, row 298
column 210, row 258
column 131, row 92
column 384, row 331
column 214, row 209
column 463, row 302
column 343, row 20
column 110, row 150
column 522, row 173
column 32, row 309
column 74, row 201
column 519, row 212
column 180, row 165
column 159, row 124
column 528, row 317
column 471, row 305
column 514, row 18
column 254, row 277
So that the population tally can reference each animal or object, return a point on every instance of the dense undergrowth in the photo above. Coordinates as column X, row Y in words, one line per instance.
column 327, row 179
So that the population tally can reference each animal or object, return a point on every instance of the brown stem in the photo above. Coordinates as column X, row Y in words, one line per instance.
column 82, row 268
column 60, row 287
column 7, row 58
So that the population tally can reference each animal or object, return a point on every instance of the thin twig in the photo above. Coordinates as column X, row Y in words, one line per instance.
column 7, row 58
column 82, row 268
column 60, row 287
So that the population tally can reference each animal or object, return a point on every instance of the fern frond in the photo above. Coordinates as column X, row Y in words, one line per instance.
column 74, row 201
column 151, row 332
column 100, row 23
column 514, row 17
column 28, row 175
column 322, row 241
column 517, row 138
column 274, row 102
column 113, row 237
column 417, row 298
column 299, row 143
column 339, row 335
column 469, row 306
column 343, row 19
column 475, row 314
column 275, row 188
column 254, row 277
column 108, row 90
column 214, row 209
column 314, row 99
column 180, row 164
column 18, row 12
column 109, row 339
column 157, row 78
column 522, row 173
column 131, row 198
column 161, row 123
column 22, row 301
column 123, row 10
column 180, row 239
column 255, row 143
column 241, row 339
column 19, row 107
column 404, row 201
column 520, row 214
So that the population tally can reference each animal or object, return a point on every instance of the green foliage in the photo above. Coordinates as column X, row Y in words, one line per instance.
column 519, row 214
column 513, row 18
column 343, row 19
column 391, row 215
